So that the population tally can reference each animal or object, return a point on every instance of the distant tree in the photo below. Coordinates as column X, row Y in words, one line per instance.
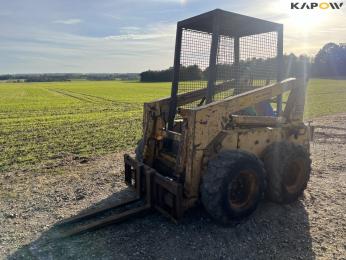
column 49, row 77
column 5, row 77
column 192, row 72
column 297, row 67
column 157, row 76
column 330, row 61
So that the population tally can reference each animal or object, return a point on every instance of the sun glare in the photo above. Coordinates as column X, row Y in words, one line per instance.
column 307, row 20
column 301, row 20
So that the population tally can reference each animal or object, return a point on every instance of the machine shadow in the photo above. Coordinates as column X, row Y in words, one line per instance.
column 272, row 232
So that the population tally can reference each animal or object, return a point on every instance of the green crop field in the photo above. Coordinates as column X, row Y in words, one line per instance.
column 43, row 123
column 46, row 122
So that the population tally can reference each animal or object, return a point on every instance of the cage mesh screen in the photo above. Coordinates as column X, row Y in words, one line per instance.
column 256, row 67
column 225, row 69
column 257, row 64
column 194, row 60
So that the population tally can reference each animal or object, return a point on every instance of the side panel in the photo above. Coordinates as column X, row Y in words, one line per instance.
column 254, row 140
column 300, row 135
column 257, row 139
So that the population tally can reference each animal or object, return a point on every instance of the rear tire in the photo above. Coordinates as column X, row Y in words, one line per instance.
column 233, row 186
column 288, row 168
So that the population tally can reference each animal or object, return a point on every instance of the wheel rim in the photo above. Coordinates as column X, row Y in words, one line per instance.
column 242, row 189
column 294, row 176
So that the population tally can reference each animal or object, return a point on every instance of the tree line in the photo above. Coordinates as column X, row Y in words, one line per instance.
column 329, row 62
column 50, row 77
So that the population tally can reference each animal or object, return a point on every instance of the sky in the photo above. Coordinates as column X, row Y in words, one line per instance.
column 84, row 36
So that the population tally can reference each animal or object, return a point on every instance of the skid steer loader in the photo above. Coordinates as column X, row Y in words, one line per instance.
column 223, row 137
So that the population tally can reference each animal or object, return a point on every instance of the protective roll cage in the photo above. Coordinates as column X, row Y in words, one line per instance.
column 221, row 48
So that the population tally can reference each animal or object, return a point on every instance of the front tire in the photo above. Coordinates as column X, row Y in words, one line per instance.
column 233, row 186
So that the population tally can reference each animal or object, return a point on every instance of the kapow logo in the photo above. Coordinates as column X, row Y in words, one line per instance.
column 314, row 5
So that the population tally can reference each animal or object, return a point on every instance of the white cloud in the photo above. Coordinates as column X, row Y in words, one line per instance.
column 137, row 36
column 47, row 51
column 69, row 21
column 130, row 29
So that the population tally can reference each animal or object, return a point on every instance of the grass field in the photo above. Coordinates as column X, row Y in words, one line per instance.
column 45, row 123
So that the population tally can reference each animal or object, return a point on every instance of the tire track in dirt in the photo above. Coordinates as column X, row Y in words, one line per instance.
column 65, row 93
column 91, row 98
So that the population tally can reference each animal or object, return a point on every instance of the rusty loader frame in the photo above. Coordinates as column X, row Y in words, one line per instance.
column 208, row 129
column 180, row 139
column 205, row 131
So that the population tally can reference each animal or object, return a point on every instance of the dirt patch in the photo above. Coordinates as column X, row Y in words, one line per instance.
column 313, row 227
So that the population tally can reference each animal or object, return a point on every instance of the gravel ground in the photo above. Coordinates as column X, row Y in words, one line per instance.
column 313, row 227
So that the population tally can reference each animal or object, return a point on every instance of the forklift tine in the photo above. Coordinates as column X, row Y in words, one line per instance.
column 96, row 211
column 116, row 218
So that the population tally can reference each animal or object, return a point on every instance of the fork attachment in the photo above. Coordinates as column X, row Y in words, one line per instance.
column 152, row 191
